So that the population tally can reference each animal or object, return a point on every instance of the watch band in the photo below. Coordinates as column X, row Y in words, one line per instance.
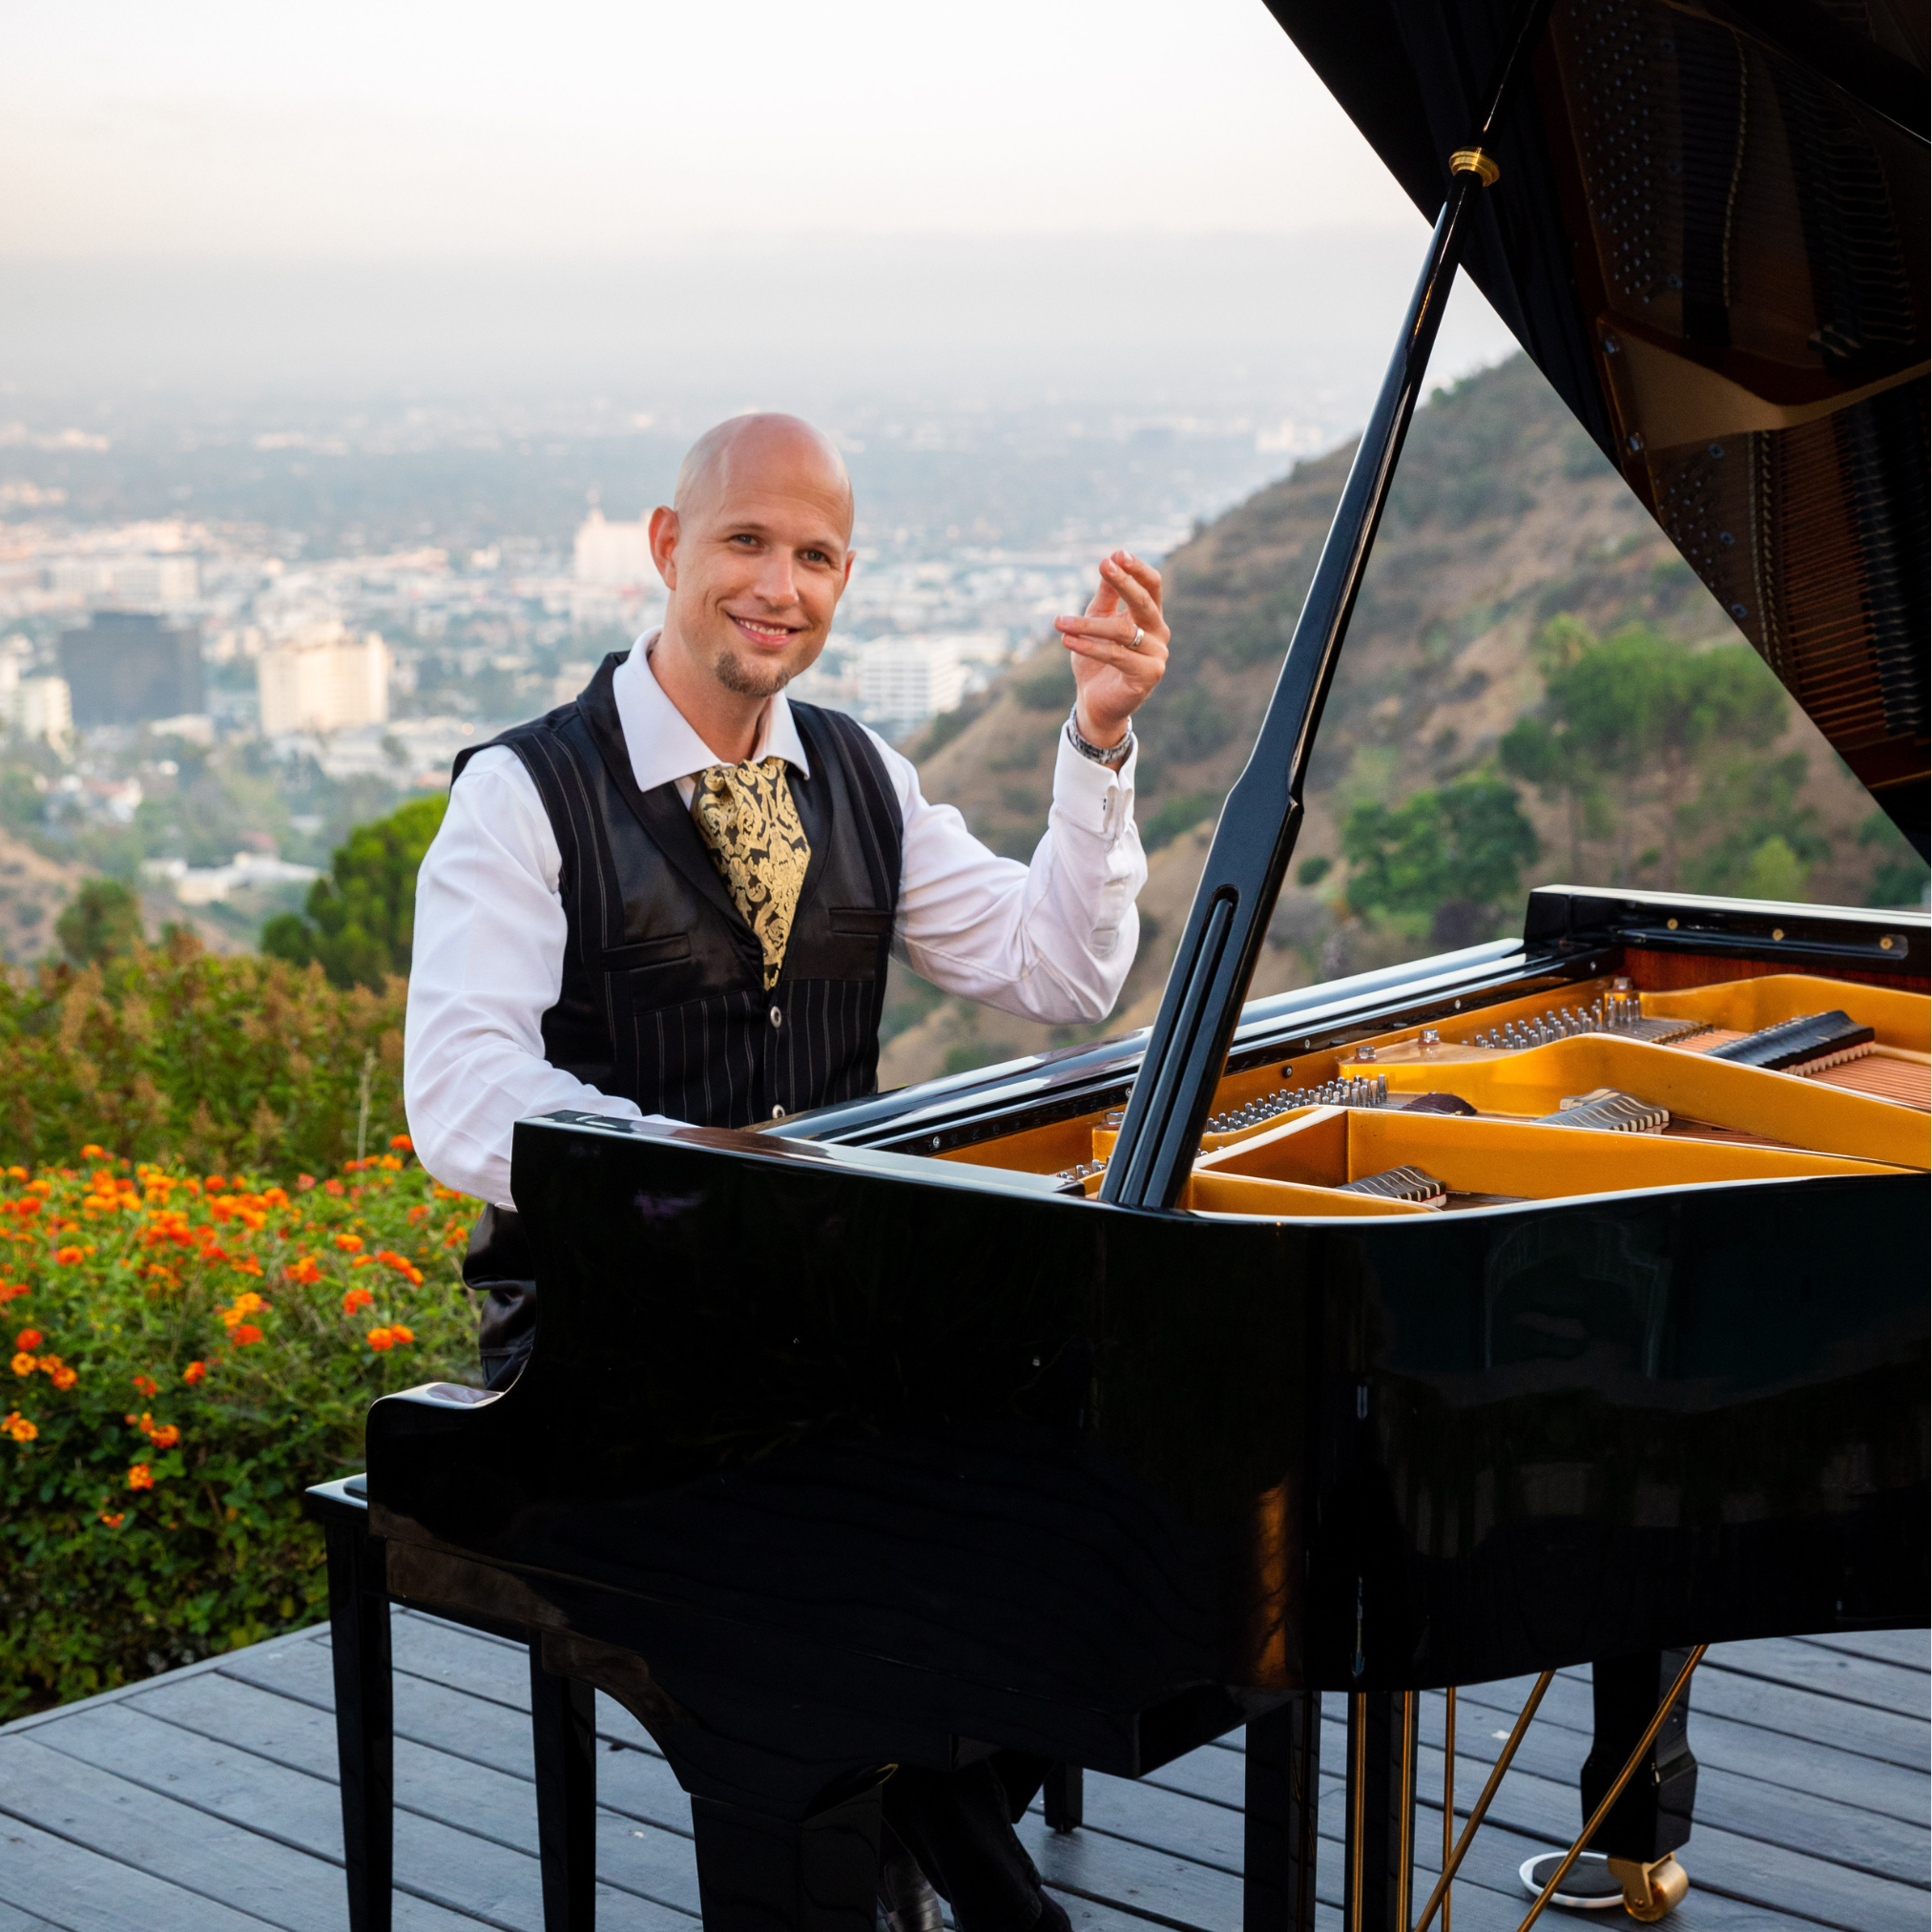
column 1113, row 757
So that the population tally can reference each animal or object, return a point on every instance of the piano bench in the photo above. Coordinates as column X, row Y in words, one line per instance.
column 563, row 1723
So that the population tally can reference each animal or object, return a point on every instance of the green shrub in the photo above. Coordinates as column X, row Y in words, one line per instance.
column 362, row 919
column 1177, row 816
column 190, row 1352
column 1050, row 689
column 100, row 922
column 218, row 1061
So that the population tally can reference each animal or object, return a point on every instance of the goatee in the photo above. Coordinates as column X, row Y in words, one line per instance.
column 749, row 680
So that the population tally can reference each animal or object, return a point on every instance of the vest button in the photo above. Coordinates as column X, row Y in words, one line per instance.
column 777, row 1018
column 778, row 1112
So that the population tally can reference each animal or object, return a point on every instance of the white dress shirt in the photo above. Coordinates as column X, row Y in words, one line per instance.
column 1050, row 941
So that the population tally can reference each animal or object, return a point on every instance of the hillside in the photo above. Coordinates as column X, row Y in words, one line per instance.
column 1504, row 516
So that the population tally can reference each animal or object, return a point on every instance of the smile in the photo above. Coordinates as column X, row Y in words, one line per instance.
column 764, row 634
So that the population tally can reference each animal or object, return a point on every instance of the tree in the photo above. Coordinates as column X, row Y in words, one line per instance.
column 101, row 921
column 362, row 919
column 1452, row 856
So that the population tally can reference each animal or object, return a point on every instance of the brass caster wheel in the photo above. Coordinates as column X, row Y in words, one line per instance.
column 1650, row 1891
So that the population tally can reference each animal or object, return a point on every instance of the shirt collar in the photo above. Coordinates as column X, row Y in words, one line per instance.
column 659, row 737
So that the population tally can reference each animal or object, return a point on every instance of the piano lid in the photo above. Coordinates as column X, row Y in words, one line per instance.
column 1711, row 235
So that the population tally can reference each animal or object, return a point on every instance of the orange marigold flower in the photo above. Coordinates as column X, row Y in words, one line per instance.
column 68, row 1253
column 147, row 1384
column 19, row 1427
column 10, row 1290
column 358, row 1298
column 380, row 1339
column 141, row 1477
column 22, row 1364
column 307, row 1269
column 276, row 1198
column 114, row 1518
column 16, row 1173
column 64, row 1377
column 402, row 1143
column 361, row 1262
column 247, row 1265
column 244, row 1334
column 349, row 1244
column 399, row 1334
column 28, row 1338
column 304, row 1181
column 390, row 1162
column 332, row 1186
column 165, row 1437
column 92, row 1153
column 215, row 1183
column 419, row 1214
column 194, row 1371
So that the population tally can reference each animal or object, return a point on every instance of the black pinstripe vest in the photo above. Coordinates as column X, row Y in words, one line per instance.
column 663, row 998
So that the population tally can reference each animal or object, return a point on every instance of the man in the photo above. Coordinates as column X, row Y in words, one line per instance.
column 676, row 896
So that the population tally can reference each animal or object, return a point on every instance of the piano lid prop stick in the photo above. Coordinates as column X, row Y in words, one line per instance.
column 1255, row 836
column 1449, row 1794
column 1452, row 1866
column 1617, row 1791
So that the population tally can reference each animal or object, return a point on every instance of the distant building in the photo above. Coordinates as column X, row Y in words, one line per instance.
column 126, row 667
column 902, row 681
column 36, row 707
column 156, row 583
column 325, row 678
column 614, row 555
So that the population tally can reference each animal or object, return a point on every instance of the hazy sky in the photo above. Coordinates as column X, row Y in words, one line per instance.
column 427, row 126
column 1027, row 196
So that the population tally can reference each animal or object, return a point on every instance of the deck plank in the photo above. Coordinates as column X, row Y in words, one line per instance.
column 82, row 1890
column 1812, row 1804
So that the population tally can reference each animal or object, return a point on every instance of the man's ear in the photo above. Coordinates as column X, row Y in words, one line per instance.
column 664, row 544
column 845, row 582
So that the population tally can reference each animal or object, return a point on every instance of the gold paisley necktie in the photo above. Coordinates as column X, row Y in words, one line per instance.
column 750, row 826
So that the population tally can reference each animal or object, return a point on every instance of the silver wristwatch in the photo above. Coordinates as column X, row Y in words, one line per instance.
column 1112, row 757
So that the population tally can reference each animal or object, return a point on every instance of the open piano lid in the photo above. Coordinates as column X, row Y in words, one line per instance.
column 1710, row 234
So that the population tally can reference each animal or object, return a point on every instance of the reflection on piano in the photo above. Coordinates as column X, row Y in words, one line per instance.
column 1554, row 1301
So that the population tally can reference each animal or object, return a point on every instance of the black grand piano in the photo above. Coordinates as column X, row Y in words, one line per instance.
column 1560, row 1300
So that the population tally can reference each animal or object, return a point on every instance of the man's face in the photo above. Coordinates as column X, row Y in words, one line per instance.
column 757, row 561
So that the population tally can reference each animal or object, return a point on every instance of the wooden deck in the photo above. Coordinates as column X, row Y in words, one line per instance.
column 205, row 1802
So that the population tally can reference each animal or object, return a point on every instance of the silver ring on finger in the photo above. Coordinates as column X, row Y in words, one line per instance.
column 1139, row 636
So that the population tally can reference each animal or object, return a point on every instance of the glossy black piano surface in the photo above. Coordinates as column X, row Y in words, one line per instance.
column 990, row 1462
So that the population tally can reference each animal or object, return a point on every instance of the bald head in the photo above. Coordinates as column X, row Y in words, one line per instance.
column 755, row 553
column 755, row 453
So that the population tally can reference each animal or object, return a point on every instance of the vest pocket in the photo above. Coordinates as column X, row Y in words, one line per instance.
column 650, row 952
column 861, row 921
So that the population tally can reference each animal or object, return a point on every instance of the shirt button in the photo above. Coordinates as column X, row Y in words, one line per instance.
column 778, row 1112
column 777, row 1018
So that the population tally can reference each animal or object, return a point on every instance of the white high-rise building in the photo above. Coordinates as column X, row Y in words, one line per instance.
column 902, row 681
column 614, row 555
column 36, row 707
column 323, row 678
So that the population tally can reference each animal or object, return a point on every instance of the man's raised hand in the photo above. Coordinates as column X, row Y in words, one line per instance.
column 1113, row 675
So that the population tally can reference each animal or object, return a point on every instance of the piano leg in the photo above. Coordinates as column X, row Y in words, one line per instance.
column 1065, row 1797
column 757, row 1873
column 359, row 1642
column 1278, row 1837
column 1379, row 1847
column 1652, row 1817
column 563, row 1728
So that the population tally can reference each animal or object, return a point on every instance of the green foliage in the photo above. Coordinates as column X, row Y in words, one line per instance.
column 1050, row 689
column 1765, row 837
column 188, row 1353
column 947, row 726
column 1457, row 468
column 22, row 801
column 1900, row 876
column 1312, row 872
column 362, row 920
column 970, row 1055
column 1636, row 718
column 1178, row 814
column 1463, row 846
column 101, row 921
column 219, row 1061
column 1192, row 725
